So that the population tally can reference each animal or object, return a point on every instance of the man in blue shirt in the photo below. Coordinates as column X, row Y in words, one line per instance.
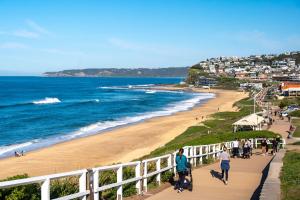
column 181, row 167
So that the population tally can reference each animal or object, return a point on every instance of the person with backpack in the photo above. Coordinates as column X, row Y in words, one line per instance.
column 181, row 167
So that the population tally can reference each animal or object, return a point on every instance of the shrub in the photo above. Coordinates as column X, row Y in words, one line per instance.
column 167, row 176
column 26, row 192
column 64, row 187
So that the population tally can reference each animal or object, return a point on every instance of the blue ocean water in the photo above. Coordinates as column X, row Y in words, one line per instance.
column 40, row 111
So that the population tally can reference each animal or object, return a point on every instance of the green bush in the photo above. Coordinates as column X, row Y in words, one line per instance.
column 64, row 187
column 26, row 192
column 167, row 176
column 207, row 160
column 59, row 187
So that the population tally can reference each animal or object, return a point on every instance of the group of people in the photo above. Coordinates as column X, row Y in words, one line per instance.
column 19, row 154
column 242, row 148
column 275, row 144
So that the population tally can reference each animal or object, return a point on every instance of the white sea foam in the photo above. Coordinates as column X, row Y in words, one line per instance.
column 101, row 126
column 13, row 148
column 47, row 100
column 150, row 91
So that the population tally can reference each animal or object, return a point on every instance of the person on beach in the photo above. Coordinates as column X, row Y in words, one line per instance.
column 264, row 147
column 181, row 167
column 224, row 164
column 235, row 149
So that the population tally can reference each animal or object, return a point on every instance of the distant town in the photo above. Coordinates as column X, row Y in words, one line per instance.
column 281, row 67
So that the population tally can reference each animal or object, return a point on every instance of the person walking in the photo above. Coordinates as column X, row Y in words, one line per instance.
column 235, row 148
column 181, row 167
column 264, row 146
column 224, row 164
column 274, row 146
column 278, row 143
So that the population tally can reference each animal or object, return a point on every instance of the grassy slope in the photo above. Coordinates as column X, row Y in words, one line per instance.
column 290, row 176
column 296, row 122
column 220, row 127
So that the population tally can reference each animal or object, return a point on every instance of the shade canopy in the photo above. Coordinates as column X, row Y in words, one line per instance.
column 250, row 120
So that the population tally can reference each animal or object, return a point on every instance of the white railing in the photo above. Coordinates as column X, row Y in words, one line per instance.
column 120, row 182
column 45, row 184
column 158, row 169
column 195, row 155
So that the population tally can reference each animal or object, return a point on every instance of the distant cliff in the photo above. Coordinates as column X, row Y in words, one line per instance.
column 118, row 72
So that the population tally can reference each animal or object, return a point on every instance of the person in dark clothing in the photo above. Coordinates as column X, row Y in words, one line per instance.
column 181, row 167
column 264, row 147
column 274, row 146
column 278, row 143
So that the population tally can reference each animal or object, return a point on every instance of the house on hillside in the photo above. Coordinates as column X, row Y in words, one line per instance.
column 290, row 88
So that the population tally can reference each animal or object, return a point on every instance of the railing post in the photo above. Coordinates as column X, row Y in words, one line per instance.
column 96, row 184
column 195, row 154
column 208, row 151
column 214, row 151
column 170, row 161
column 158, row 169
column 91, row 183
column 219, row 149
column 120, row 179
column 200, row 152
column 174, row 162
column 255, row 143
column 138, row 175
column 145, row 176
column 45, row 190
column 191, row 153
column 82, row 184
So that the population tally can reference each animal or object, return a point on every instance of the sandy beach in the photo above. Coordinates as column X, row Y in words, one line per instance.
column 118, row 145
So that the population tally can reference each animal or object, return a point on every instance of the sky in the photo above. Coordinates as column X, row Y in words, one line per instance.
column 50, row 35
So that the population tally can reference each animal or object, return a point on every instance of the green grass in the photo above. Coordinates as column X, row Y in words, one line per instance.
column 296, row 122
column 296, row 143
column 288, row 101
column 219, row 128
column 295, row 113
column 290, row 176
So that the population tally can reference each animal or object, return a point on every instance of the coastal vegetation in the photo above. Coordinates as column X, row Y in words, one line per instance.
column 218, row 128
column 287, row 102
column 196, row 73
column 290, row 176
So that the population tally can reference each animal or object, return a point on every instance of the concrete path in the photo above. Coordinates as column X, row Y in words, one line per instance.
column 281, row 127
column 244, row 179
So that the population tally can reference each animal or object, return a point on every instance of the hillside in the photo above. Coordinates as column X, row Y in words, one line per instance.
column 117, row 72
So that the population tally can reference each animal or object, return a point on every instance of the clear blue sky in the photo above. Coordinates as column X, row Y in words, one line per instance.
column 49, row 35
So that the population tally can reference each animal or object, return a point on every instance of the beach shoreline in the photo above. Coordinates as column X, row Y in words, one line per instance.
column 122, row 144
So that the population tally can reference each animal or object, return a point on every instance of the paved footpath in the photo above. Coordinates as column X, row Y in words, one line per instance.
column 281, row 127
column 244, row 178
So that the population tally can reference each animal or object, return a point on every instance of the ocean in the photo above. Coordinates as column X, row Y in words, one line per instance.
column 37, row 112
